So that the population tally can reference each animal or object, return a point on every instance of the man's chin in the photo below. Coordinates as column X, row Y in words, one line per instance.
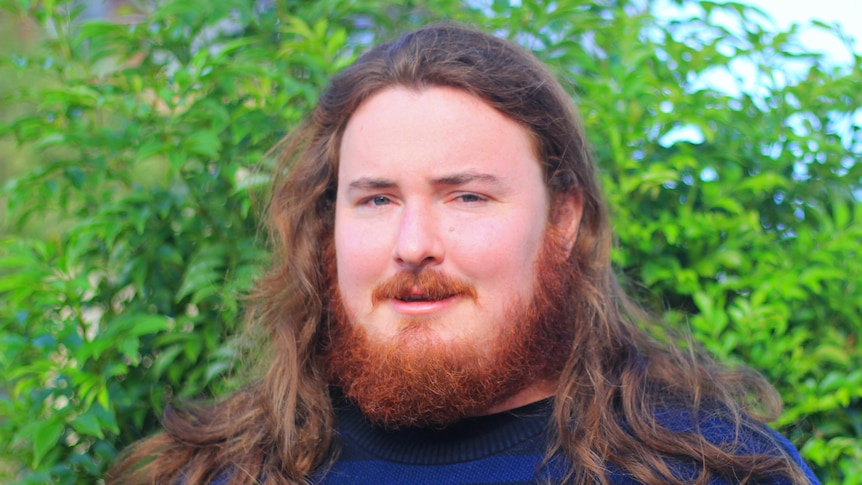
column 414, row 379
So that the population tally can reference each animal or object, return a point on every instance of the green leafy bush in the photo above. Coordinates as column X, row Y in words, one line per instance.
column 133, row 230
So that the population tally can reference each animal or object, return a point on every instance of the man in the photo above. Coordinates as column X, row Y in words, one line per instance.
column 443, row 307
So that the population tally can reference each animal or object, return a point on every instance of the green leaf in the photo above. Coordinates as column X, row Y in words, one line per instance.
column 204, row 143
column 88, row 424
column 45, row 437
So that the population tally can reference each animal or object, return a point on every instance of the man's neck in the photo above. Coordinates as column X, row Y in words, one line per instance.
column 533, row 393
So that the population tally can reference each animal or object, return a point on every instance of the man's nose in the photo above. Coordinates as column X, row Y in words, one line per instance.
column 419, row 243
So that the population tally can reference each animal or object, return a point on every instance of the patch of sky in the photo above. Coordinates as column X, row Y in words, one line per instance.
column 810, row 43
column 708, row 174
column 686, row 133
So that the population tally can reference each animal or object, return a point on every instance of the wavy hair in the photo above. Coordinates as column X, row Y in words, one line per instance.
column 618, row 379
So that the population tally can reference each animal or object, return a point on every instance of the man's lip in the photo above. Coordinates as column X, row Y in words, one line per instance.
column 416, row 296
column 423, row 307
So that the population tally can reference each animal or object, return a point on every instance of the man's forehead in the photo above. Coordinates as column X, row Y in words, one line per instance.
column 439, row 136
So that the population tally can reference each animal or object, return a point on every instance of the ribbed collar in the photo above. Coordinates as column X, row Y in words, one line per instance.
column 470, row 439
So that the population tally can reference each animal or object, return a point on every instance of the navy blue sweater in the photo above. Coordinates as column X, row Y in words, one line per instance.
column 504, row 448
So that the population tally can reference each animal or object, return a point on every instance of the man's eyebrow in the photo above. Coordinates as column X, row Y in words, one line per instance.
column 368, row 183
column 464, row 177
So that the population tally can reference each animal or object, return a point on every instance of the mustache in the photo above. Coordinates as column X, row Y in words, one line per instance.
column 428, row 284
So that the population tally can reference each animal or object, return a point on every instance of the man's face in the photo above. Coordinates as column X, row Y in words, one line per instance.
column 440, row 216
column 437, row 180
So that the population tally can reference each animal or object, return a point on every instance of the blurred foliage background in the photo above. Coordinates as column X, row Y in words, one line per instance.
column 133, row 158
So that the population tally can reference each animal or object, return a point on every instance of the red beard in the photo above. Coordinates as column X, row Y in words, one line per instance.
column 415, row 380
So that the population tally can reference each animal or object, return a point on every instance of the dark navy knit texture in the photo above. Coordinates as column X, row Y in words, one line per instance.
column 501, row 449
column 505, row 448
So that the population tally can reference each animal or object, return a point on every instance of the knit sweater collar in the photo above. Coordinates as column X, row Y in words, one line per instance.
column 470, row 439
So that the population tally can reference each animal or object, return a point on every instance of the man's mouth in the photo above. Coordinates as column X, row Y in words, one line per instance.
column 411, row 298
column 422, row 303
column 427, row 287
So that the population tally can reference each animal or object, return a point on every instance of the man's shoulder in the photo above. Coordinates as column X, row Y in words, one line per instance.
column 740, row 435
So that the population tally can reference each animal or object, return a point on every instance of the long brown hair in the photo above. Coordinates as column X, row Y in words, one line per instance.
column 616, row 382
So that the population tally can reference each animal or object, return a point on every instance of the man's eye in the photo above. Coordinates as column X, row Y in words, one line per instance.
column 379, row 200
column 470, row 198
